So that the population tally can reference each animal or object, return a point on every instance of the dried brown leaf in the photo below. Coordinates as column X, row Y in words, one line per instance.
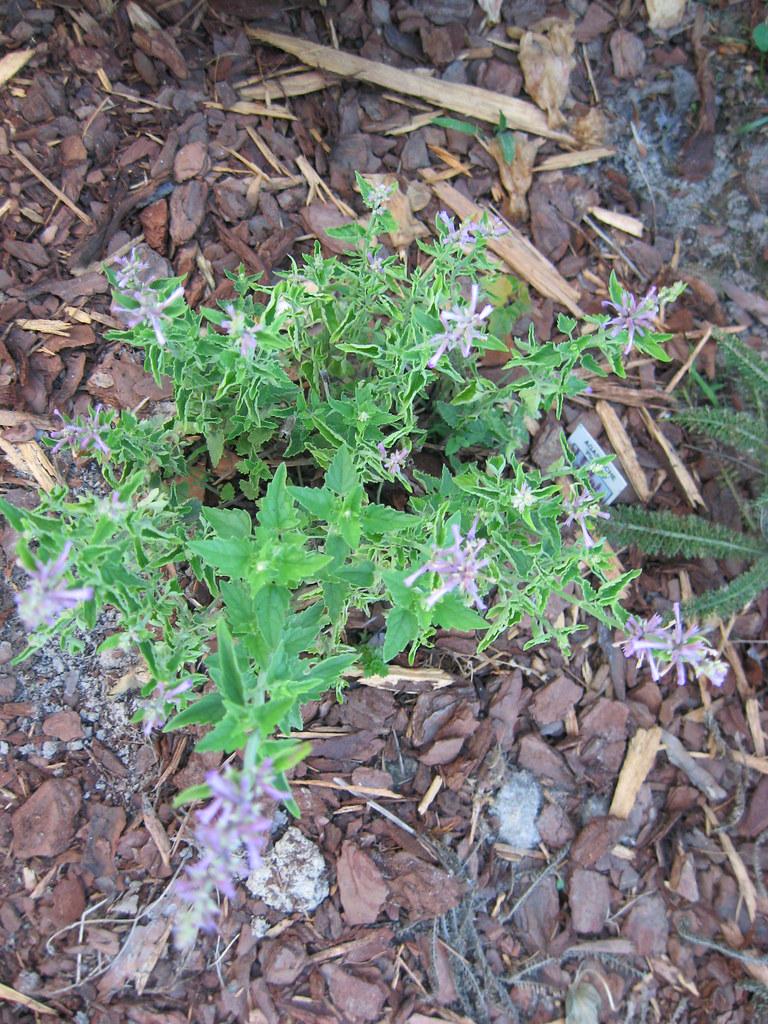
column 547, row 62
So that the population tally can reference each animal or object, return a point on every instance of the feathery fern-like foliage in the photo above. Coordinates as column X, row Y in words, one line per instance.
column 669, row 535
column 691, row 536
column 741, row 430
column 731, row 598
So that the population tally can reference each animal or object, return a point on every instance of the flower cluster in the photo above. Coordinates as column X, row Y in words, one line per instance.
column 81, row 435
column 672, row 647
column 633, row 316
column 236, row 328
column 579, row 509
column 393, row 461
column 233, row 821
column 377, row 196
column 47, row 597
column 523, row 498
column 463, row 326
column 149, row 308
column 457, row 566
column 154, row 713
column 466, row 234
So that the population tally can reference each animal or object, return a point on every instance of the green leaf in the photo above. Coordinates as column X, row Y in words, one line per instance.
column 14, row 515
column 450, row 613
column 507, row 144
column 192, row 794
column 228, row 522
column 760, row 36
column 402, row 628
column 205, row 711
column 277, row 510
column 228, row 735
column 317, row 501
column 457, row 126
column 341, row 477
column 215, row 441
column 272, row 604
column 380, row 519
column 225, row 669
column 229, row 557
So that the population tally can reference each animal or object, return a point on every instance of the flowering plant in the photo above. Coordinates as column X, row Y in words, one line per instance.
column 349, row 371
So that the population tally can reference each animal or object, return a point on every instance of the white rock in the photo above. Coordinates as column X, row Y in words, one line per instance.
column 293, row 877
column 516, row 806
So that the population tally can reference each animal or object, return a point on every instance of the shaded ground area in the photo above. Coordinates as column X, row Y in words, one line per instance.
column 481, row 836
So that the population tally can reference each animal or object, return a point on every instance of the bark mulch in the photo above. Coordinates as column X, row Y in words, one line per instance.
column 496, row 837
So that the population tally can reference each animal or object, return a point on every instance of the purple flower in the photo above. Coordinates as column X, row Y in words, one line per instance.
column 463, row 326
column 466, row 234
column 375, row 261
column 46, row 598
column 236, row 328
column 636, row 318
column 131, row 271
column 672, row 647
column 579, row 509
column 378, row 195
column 393, row 461
column 81, row 436
column 457, row 566
column 154, row 708
column 149, row 309
column 641, row 642
column 232, row 821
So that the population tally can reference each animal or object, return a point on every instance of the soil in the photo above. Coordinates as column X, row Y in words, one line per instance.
column 459, row 855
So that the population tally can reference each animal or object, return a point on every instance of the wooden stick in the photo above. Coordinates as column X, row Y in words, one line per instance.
column 689, row 361
column 516, row 251
column 619, row 438
column 462, row 99
column 61, row 196
column 561, row 161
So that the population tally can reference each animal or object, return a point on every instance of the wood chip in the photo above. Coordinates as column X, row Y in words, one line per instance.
column 679, row 472
column 434, row 788
column 516, row 251
column 561, row 161
column 257, row 109
column 462, row 99
column 641, row 754
column 621, row 221
column 10, row 65
column 45, row 326
column 29, row 458
column 746, row 886
column 10, row 995
column 697, row 774
column 317, row 185
column 624, row 449
column 752, row 709
column 285, row 86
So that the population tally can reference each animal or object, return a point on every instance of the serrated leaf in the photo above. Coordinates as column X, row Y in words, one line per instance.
column 341, row 477
column 228, row 522
column 205, row 711
column 402, row 629
column 229, row 557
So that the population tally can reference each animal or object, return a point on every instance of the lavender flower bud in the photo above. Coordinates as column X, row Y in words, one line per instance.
column 463, row 326
column 81, row 435
column 457, row 566
column 579, row 509
column 672, row 647
column 46, row 599
column 232, row 822
column 636, row 318
column 393, row 461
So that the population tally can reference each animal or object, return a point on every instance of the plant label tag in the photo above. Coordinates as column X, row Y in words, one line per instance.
column 607, row 481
